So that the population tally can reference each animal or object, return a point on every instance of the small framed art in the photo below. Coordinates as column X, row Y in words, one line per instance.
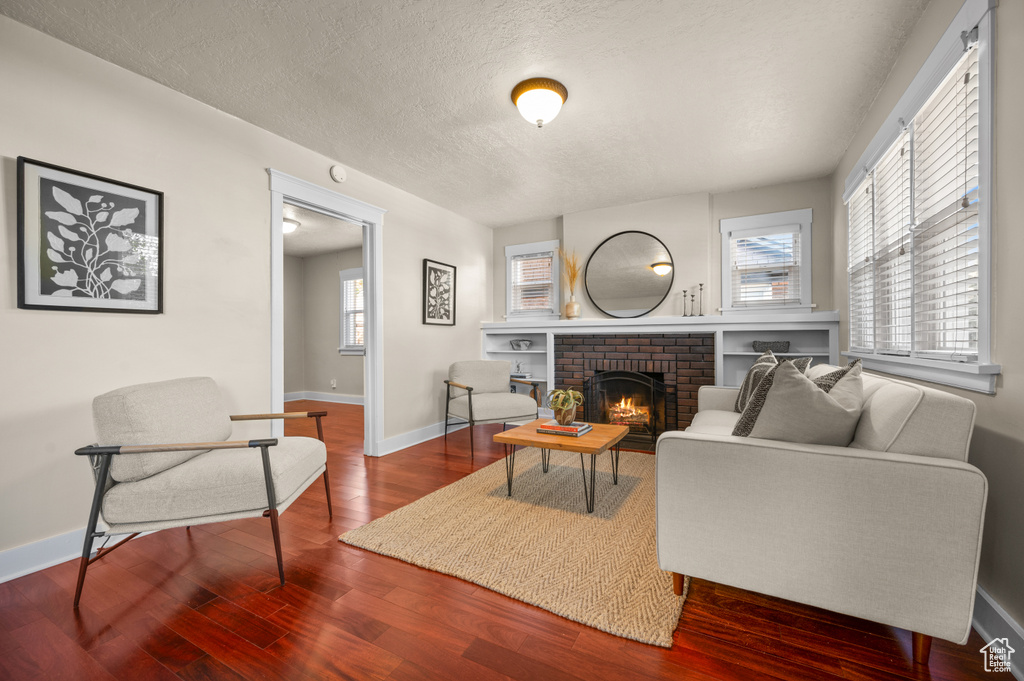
column 438, row 293
column 87, row 243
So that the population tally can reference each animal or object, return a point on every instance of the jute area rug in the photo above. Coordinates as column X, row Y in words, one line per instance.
column 541, row 546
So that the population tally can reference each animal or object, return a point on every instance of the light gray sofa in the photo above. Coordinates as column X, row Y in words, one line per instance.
column 887, row 529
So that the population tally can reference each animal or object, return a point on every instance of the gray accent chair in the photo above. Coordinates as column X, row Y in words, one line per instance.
column 164, row 460
column 887, row 529
column 482, row 391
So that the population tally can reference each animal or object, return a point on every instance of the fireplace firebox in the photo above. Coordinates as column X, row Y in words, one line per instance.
column 628, row 398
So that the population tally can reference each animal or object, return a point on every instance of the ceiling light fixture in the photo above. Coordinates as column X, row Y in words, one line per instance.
column 661, row 268
column 539, row 99
column 290, row 225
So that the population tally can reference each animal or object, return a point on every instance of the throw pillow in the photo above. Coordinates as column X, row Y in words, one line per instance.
column 762, row 366
column 788, row 406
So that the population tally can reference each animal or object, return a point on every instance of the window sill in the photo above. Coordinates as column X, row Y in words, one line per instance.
column 977, row 377
column 351, row 351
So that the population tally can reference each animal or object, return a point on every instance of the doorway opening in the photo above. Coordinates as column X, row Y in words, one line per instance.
column 337, row 216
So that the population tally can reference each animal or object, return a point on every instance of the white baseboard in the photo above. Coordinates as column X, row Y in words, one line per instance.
column 415, row 437
column 992, row 622
column 29, row 558
column 337, row 398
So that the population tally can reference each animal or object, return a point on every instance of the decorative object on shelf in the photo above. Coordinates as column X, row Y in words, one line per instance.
column 692, row 297
column 87, row 243
column 620, row 279
column 564, row 403
column 774, row 346
column 539, row 99
column 571, row 274
column 438, row 293
column 684, row 302
column 520, row 343
column 700, row 304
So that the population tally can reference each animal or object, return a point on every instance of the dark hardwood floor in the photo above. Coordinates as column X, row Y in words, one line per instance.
column 206, row 604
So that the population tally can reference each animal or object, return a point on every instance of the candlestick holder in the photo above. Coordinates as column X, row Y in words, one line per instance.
column 684, row 302
column 700, row 308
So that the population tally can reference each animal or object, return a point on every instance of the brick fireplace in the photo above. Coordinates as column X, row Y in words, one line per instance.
column 683, row 361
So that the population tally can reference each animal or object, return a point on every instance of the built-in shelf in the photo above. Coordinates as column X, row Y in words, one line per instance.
column 814, row 334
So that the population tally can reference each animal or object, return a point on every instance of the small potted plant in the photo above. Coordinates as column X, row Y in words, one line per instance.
column 564, row 403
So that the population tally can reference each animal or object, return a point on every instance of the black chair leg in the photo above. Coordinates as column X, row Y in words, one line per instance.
column 272, row 510
column 471, row 441
column 90, row 529
column 327, row 486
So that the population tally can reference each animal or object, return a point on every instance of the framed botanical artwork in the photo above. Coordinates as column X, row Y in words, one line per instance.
column 438, row 293
column 87, row 243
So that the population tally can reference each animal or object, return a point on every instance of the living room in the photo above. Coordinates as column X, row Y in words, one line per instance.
column 174, row 132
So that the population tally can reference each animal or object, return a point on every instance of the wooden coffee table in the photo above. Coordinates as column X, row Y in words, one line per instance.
column 600, row 439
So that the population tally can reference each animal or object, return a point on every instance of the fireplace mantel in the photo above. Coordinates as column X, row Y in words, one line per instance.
column 814, row 334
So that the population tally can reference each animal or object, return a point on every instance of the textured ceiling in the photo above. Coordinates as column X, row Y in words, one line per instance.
column 665, row 98
column 318, row 233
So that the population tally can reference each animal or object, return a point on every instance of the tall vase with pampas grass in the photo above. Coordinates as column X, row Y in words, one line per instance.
column 571, row 275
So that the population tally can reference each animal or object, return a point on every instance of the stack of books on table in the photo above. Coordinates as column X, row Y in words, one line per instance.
column 574, row 429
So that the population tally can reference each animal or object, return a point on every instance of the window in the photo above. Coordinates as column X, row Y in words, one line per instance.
column 532, row 276
column 918, row 215
column 766, row 262
column 352, row 319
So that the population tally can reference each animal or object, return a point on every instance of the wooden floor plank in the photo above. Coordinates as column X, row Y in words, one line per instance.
column 206, row 603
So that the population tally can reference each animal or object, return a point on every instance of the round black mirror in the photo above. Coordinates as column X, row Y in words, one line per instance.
column 629, row 274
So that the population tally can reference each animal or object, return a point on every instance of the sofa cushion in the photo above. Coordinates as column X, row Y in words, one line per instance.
column 713, row 422
column 215, row 482
column 483, row 375
column 789, row 406
column 504, row 406
column 167, row 412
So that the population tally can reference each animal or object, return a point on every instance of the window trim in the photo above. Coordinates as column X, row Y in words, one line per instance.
column 790, row 221
column 556, row 276
column 351, row 274
column 977, row 376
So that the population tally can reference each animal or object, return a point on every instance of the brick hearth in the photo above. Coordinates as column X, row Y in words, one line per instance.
column 687, row 361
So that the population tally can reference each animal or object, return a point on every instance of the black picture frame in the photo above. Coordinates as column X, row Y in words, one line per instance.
column 87, row 243
column 439, row 281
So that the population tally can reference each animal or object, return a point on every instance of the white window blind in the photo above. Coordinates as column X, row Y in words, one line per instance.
column 533, row 283
column 765, row 268
column 892, row 223
column 352, row 313
column 914, row 232
column 946, row 214
column 861, row 267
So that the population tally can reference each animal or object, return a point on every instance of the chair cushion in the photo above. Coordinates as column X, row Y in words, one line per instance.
column 789, row 406
column 181, row 410
column 214, row 482
column 503, row 406
column 483, row 375
column 713, row 422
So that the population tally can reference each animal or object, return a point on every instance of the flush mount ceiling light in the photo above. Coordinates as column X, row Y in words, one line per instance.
column 661, row 268
column 290, row 225
column 539, row 99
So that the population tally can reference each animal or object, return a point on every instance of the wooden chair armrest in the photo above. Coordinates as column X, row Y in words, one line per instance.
column 458, row 385
column 285, row 415
column 525, row 382
column 177, row 447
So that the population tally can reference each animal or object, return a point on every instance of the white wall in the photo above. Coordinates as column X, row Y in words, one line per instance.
column 998, row 444
column 688, row 225
column 294, row 325
column 322, row 304
column 64, row 106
